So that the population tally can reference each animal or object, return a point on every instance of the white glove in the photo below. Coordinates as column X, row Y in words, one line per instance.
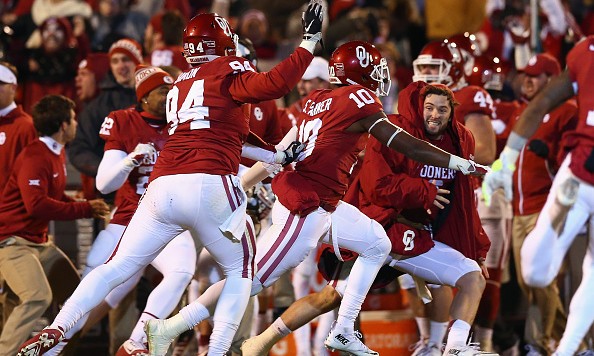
column 141, row 151
column 501, row 175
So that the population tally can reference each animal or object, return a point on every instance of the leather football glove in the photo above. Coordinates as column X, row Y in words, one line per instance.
column 312, row 21
column 501, row 175
column 141, row 151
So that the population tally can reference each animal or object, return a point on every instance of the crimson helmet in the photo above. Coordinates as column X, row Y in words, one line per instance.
column 488, row 73
column 359, row 62
column 469, row 48
column 206, row 37
column 444, row 57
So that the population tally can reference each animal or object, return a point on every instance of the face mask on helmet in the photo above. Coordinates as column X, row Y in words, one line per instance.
column 438, row 62
column 359, row 62
column 207, row 37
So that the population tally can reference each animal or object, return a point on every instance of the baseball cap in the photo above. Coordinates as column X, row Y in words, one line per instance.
column 542, row 63
column 128, row 47
column 7, row 76
column 318, row 68
column 149, row 78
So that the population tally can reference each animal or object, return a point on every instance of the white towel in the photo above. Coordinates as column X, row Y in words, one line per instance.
column 234, row 227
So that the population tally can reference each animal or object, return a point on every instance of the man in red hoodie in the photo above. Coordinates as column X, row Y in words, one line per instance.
column 33, row 196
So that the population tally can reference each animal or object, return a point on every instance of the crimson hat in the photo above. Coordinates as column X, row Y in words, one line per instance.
column 149, row 78
column 542, row 63
column 128, row 47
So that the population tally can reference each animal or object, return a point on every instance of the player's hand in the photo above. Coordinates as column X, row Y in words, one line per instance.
column 100, row 208
column 440, row 199
column 290, row 154
column 142, row 151
column 484, row 269
column 312, row 21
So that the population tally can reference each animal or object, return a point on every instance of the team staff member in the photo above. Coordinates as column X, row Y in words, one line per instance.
column 33, row 196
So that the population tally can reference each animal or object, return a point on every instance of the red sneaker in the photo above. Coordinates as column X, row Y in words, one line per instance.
column 131, row 347
column 42, row 342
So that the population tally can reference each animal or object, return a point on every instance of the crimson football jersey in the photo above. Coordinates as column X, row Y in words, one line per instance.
column 533, row 176
column 331, row 153
column 472, row 100
column 206, row 122
column 580, row 64
column 16, row 132
column 122, row 130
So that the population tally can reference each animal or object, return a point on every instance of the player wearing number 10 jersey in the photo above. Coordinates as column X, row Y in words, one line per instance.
column 193, row 186
column 333, row 125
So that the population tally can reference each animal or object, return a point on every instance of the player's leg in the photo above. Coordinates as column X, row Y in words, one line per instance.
column 581, row 309
column 354, row 231
column 545, row 247
column 302, row 275
column 218, row 198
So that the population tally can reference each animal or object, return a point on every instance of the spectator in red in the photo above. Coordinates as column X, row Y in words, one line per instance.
column 91, row 71
column 16, row 126
column 51, row 68
column 33, row 196
column 163, row 40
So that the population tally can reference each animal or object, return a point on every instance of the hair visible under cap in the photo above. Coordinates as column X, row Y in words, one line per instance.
column 443, row 90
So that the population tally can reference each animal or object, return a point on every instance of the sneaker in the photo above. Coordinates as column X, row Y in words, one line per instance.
column 131, row 347
column 471, row 349
column 349, row 342
column 41, row 343
column 158, row 340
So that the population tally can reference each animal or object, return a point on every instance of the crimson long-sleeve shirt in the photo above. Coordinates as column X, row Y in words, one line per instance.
column 34, row 194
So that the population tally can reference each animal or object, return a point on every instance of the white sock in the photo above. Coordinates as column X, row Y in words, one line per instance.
column 458, row 334
column 176, row 325
column 138, row 333
column 273, row 334
column 438, row 331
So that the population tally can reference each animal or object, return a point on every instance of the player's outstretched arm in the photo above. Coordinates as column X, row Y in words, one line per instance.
column 398, row 139
column 116, row 165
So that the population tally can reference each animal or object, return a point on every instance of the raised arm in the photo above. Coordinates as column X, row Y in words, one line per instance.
column 397, row 139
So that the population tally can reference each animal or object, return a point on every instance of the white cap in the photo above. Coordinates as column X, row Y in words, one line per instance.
column 7, row 76
column 318, row 68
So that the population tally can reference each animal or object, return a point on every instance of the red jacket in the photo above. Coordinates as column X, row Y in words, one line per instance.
column 384, row 191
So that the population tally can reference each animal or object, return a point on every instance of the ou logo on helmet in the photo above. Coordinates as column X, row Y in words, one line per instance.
column 224, row 25
column 363, row 56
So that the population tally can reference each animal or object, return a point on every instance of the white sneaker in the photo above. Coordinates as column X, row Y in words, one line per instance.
column 158, row 339
column 471, row 349
column 350, row 342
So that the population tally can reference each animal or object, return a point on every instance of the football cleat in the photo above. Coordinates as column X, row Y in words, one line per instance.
column 348, row 342
column 158, row 339
column 42, row 342
column 131, row 347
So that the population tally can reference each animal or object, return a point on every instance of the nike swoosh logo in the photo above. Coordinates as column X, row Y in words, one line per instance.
column 308, row 26
column 56, row 175
column 591, row 48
